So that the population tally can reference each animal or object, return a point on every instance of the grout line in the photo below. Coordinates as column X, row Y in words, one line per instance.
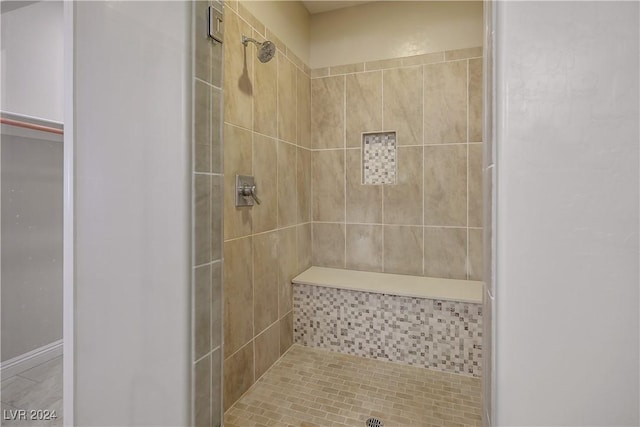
column 423, row 185
column 467, row 260
column 396, row 171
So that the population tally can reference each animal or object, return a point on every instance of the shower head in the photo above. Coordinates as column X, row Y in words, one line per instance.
column 266, row 49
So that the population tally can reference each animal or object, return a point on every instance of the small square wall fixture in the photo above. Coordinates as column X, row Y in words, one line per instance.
column 379, row 157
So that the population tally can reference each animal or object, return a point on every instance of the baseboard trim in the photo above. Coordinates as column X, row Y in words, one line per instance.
column 31, row 359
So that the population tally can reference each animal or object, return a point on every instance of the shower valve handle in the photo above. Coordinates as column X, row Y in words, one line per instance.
column 250, row 190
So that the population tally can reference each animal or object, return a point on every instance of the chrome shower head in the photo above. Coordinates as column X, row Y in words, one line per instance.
column 266, row 49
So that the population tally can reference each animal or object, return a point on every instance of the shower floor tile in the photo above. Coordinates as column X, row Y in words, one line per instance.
column 313, row 387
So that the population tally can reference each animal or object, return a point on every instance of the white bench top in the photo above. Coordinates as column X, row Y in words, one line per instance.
column 393, row 284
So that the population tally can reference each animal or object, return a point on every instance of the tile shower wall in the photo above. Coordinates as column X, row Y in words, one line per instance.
column 207, row 222
column 267, row 133
column 428, row 223
column 442, row 335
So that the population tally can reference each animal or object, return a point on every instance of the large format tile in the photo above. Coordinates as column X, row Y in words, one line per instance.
column 475, row 185
column 237, row 160
column 286, row 332
column 287, row 187
column 328, row 245
column 35, row 396
column 328, row 185
column 216, row 304
column 476, row 261
column 202, row 391
column 364, row 247
column 304, row 110
column 475, row 100
column 216, row 388
column 44, row 371
column 403, row 201
column 202, row 127
column 445, row 185
column 327, row 112
column 364, row 105
column 364, row 202
column 445, row 102
column 265, row 280
column 303, row 183
column 304, row 246
column 238, row 374
column 403, row 249
column 202, row 219
column 288, row 267
column 265, row 215
column 265, row 96
column 287, row 96
column 238, row 294
column 445, row 252
column 238, row 72
column 202, row 311
column 403, row 104
column 267, row 349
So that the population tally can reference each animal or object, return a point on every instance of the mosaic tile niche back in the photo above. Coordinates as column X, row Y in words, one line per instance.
column 379, row 158
column 441, row 335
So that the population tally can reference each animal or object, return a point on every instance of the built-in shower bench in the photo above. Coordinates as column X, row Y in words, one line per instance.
column 424, row 321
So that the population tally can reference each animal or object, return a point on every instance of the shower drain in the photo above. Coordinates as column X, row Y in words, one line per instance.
column 374, row 422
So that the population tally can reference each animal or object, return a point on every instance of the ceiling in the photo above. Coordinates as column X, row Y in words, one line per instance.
column 319, row 6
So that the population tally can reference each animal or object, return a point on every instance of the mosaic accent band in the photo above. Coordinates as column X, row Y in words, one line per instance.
column 442, row 335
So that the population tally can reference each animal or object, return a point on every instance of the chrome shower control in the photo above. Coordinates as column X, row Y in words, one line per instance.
column 246, row 193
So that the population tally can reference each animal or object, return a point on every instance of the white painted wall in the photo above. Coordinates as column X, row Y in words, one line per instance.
column 567, row 214
column 31, row 292
column 32, row 70
column 132, row 213
column 392, row 29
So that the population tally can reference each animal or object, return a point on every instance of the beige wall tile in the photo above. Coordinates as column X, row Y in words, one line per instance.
column 238, row 72
column 287, row 187
column 303, row 182
column 476, row 259
column 445, row 102
column 203, row 45
column 383, row 64
column 202, row 312
column 217, row 207
column 328, row 245
column 267, row 349
column 265, row 156
column 202, row 219
column 202, row 391
column 445, row 185
column 282, row 48
column 295, row 59
column 216, row 130
column 471, row 52
column 304, row 109
column 346, row 69
column 238, row 375
column 364, row 247
column 287, row 95
column 202, row 127
column 403, row 201
column 319, row 72
column 403, row 104
column 237, row 160
column 304, row 246
column 216, row 387
column 238, row 294
column 403, row 248
column 265, row 97
column 286, row 332
column 427, row 58
column 364, row 202
column 364, row 105
column 288, row 267
column 475, row 100
column 265, row 280
column 445, row 252
column 327, row 177
column 327, row 112
column 216, row 304
column 475, row 185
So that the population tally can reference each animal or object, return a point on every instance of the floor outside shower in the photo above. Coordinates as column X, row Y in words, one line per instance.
column 313, row 387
